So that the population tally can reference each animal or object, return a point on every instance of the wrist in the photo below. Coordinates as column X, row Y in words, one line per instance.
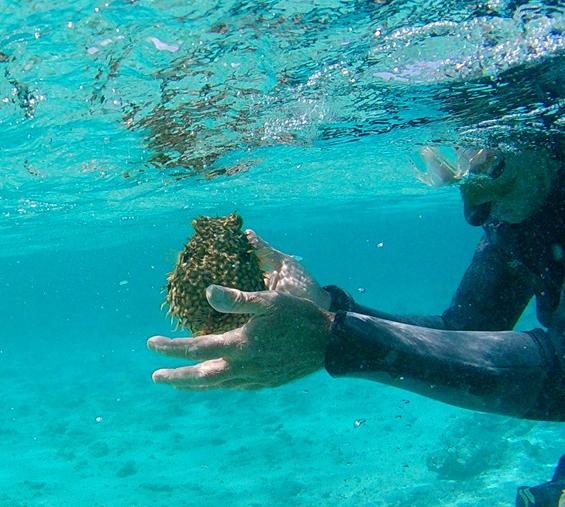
column 324, row 299
column 339, row 299
column 329, row 318
column 324, row 335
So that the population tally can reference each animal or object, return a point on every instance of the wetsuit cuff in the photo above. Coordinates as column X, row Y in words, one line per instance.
column 344, row 350
column 340, row 299
column 335, row 346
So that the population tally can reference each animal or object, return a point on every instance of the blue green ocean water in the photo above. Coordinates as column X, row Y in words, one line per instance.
column 121, row 121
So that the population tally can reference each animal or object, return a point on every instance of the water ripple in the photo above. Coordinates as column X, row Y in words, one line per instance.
column 137, row 108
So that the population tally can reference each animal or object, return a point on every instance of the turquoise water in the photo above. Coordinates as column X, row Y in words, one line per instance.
column 121, row 121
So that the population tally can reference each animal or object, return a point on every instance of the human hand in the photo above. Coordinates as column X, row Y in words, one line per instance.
column 284, row 273
column 285, row 339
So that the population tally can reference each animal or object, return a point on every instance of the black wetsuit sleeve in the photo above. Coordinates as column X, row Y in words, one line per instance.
column 521, row 374
column 491, row 296
column 505, row 372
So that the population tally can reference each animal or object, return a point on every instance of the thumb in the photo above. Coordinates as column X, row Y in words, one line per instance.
column 227, row 300
column 269, row 258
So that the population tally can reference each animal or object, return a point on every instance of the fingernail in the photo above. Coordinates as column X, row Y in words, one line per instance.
column 211, row 291
column 155, row 341
column 219, row 297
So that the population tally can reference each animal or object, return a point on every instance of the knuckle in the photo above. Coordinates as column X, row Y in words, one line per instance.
column 255, row 298
column 203, row 371
column 276, row 298
column 239, row 297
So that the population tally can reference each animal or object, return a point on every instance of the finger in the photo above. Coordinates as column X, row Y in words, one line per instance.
column 269, row 258
column 258, row 242
column 198, row 348
column 227, row 300
column 237, row 384
column 203, row 375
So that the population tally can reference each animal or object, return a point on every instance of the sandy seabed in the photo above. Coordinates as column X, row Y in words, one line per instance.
column 88, row 434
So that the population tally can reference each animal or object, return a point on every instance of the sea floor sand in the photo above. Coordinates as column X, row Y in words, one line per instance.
column 97, row 432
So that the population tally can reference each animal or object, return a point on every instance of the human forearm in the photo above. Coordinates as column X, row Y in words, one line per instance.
column 502, row 372
column 491, row 297
column 341, row 300
column 430, row 321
